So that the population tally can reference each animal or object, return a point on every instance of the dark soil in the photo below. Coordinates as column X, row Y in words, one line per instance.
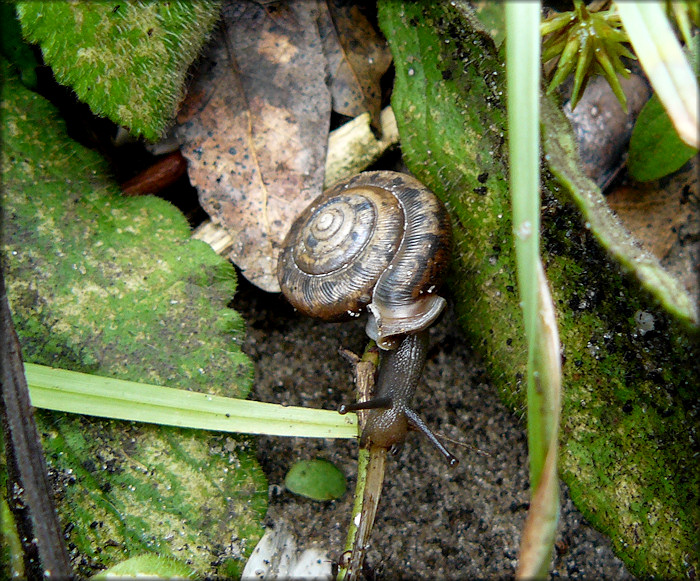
column 433, row 521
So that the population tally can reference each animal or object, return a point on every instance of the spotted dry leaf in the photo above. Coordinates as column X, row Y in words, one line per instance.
column 357, row 56
column 255, row 127
column 659, row 213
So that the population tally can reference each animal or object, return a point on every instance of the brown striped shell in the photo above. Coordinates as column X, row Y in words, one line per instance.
column 379, row 241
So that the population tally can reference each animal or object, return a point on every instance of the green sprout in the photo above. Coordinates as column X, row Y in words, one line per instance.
column 589, row 42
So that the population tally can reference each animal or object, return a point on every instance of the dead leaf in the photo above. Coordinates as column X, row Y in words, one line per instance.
column 663, row 216
column 156, row 178
column 357, row 56
column 352, row 148
column 654, row 211
column 255, row 128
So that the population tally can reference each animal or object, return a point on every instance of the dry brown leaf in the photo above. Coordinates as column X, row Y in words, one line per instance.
column 357, row 56
column 352, row 148
column 654, row 211
column 664, row 216
column 255, row 128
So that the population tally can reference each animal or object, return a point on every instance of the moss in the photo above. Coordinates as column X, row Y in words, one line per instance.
column 629, row 421
column 113, row 286
column 127, row 60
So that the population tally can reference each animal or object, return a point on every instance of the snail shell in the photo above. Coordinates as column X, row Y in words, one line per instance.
column 379, row 241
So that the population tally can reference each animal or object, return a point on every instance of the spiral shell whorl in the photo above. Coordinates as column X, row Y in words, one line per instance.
column 404, row 299
column 379, row 240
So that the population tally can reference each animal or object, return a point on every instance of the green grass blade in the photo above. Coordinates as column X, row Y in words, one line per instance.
column 543, row 365
column 522, row 59
column 81, row 393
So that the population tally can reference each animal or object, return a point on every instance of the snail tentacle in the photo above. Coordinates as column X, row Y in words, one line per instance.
column 399, row 373
column 415, row 422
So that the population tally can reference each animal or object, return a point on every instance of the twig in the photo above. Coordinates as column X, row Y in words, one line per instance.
column 165, row 172
column 30, row 496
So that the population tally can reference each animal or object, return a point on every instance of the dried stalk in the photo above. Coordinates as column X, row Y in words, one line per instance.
column 370, row 474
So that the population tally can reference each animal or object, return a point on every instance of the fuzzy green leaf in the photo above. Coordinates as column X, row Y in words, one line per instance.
column 150, row 566
column 13, row 47
column 627, row 448
column 114, row 286
column 561, row 153
column 127, row 60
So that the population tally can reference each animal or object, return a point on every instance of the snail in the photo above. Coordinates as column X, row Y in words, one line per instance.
column 378, row 242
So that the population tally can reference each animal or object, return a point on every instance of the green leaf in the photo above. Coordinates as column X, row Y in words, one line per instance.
column 127, row 60
column 628, row 397
column 150, row 566
column 114, row 286
column 560, row 149
column 543, row 363
column 655, row 149
column 316, row 479
column 69, row 391
column 492, row 16
column 667, row 69
column 11, row 555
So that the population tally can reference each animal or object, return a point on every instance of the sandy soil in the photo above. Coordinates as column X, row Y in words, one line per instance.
column 433, row 521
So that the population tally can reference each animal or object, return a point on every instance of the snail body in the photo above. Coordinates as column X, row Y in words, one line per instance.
column 378, row 242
